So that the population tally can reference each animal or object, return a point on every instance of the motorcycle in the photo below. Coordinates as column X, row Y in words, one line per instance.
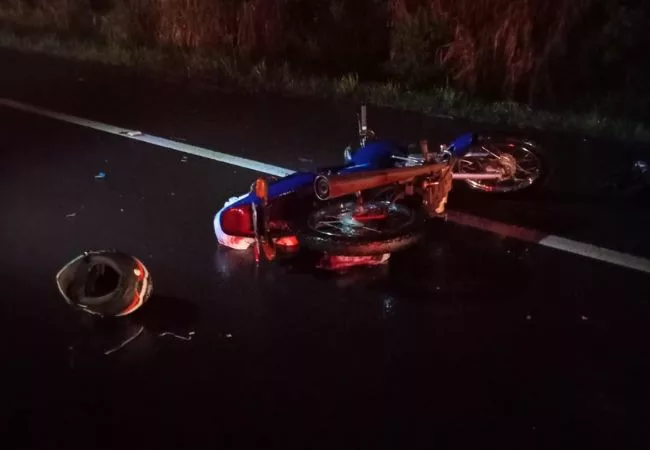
column 378, row 200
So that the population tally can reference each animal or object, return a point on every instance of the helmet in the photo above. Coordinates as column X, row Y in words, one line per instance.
column 106, row 283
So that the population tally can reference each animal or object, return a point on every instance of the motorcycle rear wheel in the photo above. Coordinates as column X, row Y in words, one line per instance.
column 527, row 158
column 341, row 228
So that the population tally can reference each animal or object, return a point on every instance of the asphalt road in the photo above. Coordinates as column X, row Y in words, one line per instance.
column 470, row 340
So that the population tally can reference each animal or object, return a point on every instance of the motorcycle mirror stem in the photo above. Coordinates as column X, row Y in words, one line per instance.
column 424, row 149
column 363, row 125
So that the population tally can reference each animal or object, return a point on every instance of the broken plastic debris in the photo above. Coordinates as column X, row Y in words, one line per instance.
column 124, row 343
column 100, row 175
column 71, row 214
column 177, row 336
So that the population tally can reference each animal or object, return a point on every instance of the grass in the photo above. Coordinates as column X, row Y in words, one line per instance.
column 260, row 77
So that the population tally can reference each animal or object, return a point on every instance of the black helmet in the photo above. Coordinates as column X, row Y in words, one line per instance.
column 107, row 283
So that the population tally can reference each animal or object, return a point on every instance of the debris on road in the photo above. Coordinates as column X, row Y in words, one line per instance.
column 641, row 166
column 121, row 209
column 177, row 336
column 528, row 317
column 184, row 158
column 159, row 318
column 125, row 342
column 633, row 181
column 228, row 336
column 584, row 317
column 100, row 175
column 74, row 214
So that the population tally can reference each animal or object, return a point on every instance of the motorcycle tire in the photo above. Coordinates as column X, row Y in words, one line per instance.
column 510, row 142
column 388, row 242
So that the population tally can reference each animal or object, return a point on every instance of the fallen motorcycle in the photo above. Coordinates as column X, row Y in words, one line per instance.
column 378, row 200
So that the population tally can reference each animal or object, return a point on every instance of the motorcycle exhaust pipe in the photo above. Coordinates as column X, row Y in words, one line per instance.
column 334, row 186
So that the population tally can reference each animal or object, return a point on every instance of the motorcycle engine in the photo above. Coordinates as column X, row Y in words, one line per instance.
column 435, row 192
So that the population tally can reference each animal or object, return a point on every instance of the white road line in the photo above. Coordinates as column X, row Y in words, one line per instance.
column 160, row 142
column 594, row 252
column 551, row 241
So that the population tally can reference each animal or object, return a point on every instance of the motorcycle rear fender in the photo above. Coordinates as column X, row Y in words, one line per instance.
column 298, row 181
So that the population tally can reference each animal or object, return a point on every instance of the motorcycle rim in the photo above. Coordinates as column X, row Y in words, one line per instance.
column 528, row 165
column 381, row 227
column 371, row 220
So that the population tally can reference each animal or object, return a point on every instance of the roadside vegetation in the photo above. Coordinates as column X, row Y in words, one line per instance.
column 573, row 65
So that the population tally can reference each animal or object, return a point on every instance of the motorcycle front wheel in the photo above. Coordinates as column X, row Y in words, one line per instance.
column 523, row 160
column 350, row 229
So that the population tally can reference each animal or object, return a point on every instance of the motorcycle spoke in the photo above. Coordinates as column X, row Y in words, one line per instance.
column 339, row 220
column 525, row 163
column 491, row 153
column 332, row 224
column 342, row 226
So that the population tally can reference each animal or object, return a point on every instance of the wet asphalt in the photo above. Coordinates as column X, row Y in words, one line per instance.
column 470, row 340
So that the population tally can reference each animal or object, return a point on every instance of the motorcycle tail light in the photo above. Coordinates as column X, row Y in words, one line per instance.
column 238, row 221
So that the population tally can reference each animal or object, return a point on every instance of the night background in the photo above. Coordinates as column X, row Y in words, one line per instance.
column 560, row 56
column 520, row 321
